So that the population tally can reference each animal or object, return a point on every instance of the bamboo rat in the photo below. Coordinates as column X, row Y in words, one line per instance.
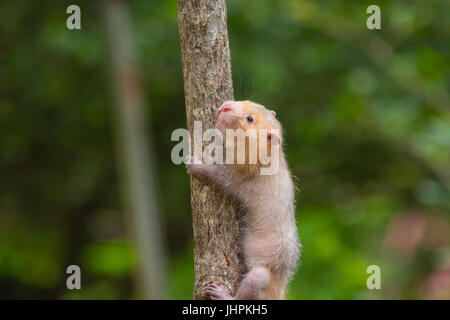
column 270, row 242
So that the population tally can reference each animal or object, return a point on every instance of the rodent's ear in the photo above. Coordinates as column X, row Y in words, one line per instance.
column 273, row 139
column 273, row 113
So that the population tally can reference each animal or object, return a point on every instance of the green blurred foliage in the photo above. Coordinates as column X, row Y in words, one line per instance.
column 366, row 114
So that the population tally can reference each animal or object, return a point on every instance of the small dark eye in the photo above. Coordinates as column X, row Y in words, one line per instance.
column 250, row 119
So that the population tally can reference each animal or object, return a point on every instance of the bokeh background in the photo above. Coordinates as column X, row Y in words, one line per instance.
column 367, row 120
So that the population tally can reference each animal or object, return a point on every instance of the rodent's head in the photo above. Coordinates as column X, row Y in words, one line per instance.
column 246, row 115
column 249, row 117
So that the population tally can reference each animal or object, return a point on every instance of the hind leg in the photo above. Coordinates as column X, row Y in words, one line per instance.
column 252, row 286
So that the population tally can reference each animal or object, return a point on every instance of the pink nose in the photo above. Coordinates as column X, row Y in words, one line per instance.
column 227, row 106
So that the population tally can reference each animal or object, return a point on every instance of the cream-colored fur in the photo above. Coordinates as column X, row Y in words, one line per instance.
column 270, row 241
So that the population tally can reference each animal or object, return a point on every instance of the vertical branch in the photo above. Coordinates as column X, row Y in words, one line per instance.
column 139, row 190
column 207, row 84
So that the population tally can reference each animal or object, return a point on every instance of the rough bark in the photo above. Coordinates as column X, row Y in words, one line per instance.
column 207, row 84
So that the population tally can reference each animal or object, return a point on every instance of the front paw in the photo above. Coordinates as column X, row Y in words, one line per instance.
column 216, row 292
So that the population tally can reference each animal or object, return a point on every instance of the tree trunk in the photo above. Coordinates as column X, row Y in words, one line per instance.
column 207, row 84
column 135, row 144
